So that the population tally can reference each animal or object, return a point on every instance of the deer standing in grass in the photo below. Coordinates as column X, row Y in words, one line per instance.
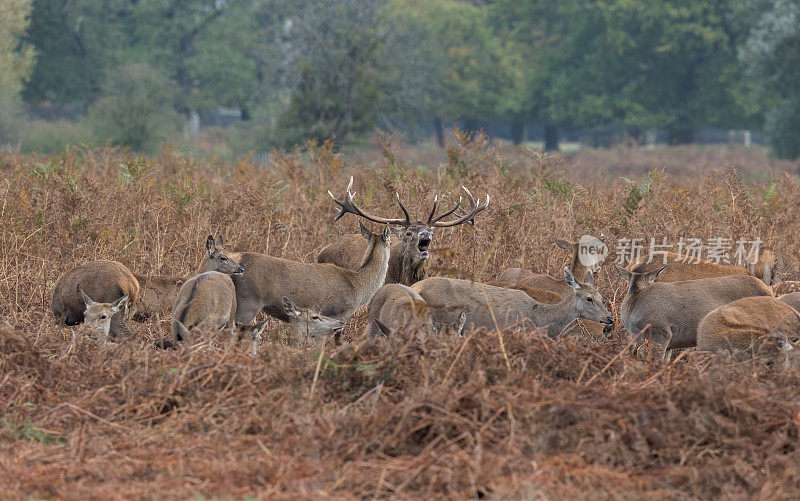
column 105, row 282
column 396, row 307
column 97, row 316
column 208, row 298
column 408, row 259
column 511, row 306
column 673, row 310
column 331, row 290
column 745, row 323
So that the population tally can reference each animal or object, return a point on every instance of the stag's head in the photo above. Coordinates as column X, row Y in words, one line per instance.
column 415, row 237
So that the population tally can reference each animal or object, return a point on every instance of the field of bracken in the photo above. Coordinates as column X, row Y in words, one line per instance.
column 515, row 415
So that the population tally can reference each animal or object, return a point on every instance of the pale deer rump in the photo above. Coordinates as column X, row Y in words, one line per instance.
column 208, row 298
column 744, row 324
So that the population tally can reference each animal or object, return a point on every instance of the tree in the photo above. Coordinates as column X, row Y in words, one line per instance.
column 16, row 61
column 137, row 108
column 771, row 54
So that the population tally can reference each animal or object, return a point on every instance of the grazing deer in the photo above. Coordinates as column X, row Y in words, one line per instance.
column 672, row 310
column 329, row 289
column 682, row 268
column 156, row 295
column 97, row 316
column 396, row 307
column 307, row 322
column 527, row 278
column 744, row 323
column 408, row 259
column 251, row 332
column 105, row 281
column 790, row 353
column 209, row 298
column 511, row 306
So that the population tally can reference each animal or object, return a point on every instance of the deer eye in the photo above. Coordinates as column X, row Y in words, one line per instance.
column 314, row 317
column 590, row 300
column 223, row 258
column 102, row 317
column 408, row 233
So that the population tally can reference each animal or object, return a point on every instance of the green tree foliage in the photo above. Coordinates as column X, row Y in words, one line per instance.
column 16, row 62
column 136, row 108
column 772, row 56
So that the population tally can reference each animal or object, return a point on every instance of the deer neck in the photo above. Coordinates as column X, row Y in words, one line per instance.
column 577, row 268
column 557, row 316
column 369, row 277
column 405, row 265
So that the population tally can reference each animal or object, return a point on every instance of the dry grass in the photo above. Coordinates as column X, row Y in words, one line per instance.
column 413, row 417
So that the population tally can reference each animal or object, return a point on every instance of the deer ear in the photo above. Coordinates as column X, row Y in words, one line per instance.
column 589, row 278
column 570, row 279
column 462, row 320
column 259, row 327
column 290, row 308
column 563, row 244
column 120, row 303
column 650, row 277
column 211, row 247
column 398, row 232
column 382, row 327
column 623, row 273
column 218, row 241
column 86, row 299
column 387, row 232
column 365, row 231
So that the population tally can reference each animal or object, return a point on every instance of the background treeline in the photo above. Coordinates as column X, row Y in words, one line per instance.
column 138, row 73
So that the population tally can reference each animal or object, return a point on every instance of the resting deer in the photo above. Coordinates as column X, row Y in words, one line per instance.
column 527, row 278
column 681, row 267
column 408, row 259
column 672, row 310
column 396, row 307
column 306, row 322
column 511, row 306
column 208, row 298
column 329, row 289
column 97, row 316
column 105, row 281
column 744, row 323
column 156, row 295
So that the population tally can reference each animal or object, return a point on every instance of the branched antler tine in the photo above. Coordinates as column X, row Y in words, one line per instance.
column 348, row 205
column 403, row 208
column 433, row 209
column 445, row 214
column 475, row 207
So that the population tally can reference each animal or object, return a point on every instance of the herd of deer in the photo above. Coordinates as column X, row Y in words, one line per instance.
column 681, row 304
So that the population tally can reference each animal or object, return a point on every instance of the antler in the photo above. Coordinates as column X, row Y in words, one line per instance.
column 347, row 205
column 468, row 217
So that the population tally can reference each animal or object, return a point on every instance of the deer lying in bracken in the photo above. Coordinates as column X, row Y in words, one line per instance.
column 329, row 289
column 396, row 308
column 680, row 267
column 672, row 310
column 408, row 259
column 511, row 306
column 208, row 298
column 307, row 322
column 746, row 323
column 97, row 316
column 105, row 281
column 156, row 295
column 527, row 278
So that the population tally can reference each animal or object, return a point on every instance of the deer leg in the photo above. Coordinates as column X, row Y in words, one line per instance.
column 246, row 311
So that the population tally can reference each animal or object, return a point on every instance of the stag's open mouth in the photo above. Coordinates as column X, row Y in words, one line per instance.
column 422, row 247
